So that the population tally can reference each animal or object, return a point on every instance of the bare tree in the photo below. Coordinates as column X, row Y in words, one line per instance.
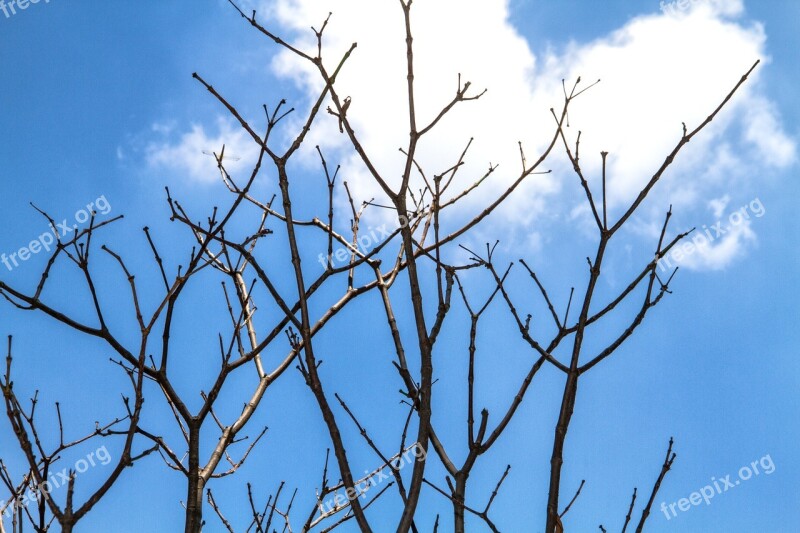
column 417, row 252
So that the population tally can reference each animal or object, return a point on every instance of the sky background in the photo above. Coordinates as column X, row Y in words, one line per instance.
column 98, row 101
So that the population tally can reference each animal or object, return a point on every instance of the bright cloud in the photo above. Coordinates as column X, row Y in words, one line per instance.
column 705, row 255
column 713, row 246
column 657, row 71
column 718, row 205
column 664, row 69
column 192, row 153
column 478, row 43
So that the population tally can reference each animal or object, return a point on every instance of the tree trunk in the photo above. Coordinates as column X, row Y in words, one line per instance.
column 196, row 484
column 557, row 459
column 426, row 372
column 460, row 497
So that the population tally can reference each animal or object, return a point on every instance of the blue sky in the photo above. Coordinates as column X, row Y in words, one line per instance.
column 98, row 102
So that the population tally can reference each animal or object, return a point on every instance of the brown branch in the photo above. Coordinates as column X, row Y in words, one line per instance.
column 668, row 460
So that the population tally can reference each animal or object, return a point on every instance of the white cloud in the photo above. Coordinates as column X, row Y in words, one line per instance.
column 718, row 205
column 705, row 254
column 715, row 246
column 190, row 152
column 477, row 42
column 657, row 71
column 763, row 130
